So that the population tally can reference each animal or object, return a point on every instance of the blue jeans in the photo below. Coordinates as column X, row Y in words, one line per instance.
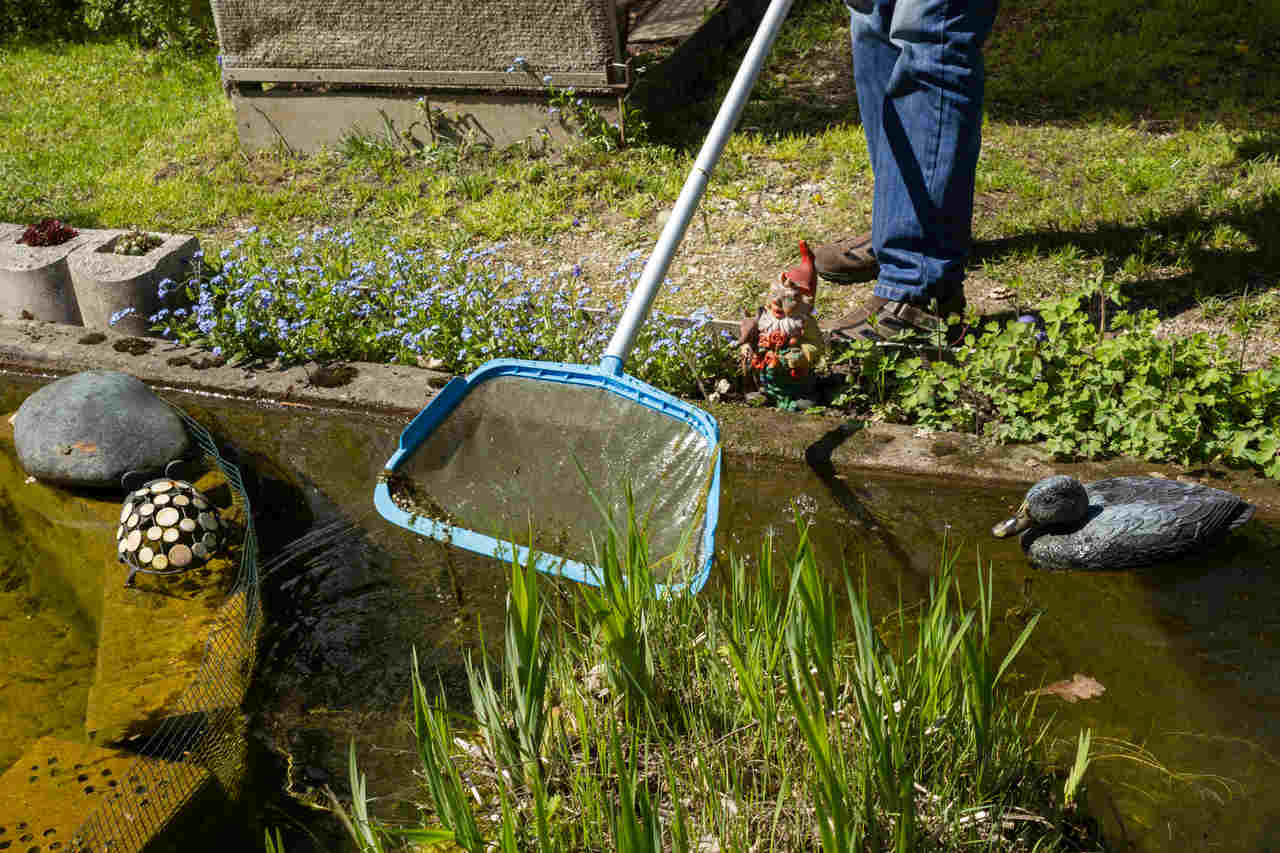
column 917, row 65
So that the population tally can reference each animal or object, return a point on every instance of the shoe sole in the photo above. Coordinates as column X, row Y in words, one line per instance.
column 851, row 277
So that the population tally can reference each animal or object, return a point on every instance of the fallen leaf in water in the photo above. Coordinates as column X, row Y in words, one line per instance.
column 1076, row 688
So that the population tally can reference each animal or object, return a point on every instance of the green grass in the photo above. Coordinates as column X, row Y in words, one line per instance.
column 619, row 719
column 1099, row 154
column 88, row 117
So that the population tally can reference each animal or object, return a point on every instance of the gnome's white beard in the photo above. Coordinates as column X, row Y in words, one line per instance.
column 792, row 327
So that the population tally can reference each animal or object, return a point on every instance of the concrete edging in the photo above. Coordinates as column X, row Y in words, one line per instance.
column 838, row 445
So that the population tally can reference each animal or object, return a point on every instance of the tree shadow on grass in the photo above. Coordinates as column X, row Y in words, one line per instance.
column 1168, row 64
column 1184, row 239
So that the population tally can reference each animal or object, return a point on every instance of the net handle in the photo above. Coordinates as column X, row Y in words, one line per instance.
column 655, row 269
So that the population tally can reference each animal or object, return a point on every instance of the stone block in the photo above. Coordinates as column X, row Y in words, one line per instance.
column 35, row 279
column 307, row 121
column 105, row 282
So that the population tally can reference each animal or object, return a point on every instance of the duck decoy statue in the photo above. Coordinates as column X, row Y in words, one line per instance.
column 1121, row 522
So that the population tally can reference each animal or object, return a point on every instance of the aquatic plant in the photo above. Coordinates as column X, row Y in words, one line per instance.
column 748, row 718
column 324, row 299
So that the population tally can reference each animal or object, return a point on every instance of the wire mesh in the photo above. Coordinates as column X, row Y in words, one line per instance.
column 203, row 732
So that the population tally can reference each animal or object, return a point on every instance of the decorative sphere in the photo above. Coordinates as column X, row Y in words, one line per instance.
column 166, row 527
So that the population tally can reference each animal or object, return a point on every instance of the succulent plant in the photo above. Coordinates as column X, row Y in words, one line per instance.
column 136, row 242
column 47, row 232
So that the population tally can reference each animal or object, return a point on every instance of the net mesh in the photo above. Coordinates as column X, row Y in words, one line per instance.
column 422, row 35
column 514, row 460
column 203, row 733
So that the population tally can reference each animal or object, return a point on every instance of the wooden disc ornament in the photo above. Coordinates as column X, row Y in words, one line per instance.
column 167, row 527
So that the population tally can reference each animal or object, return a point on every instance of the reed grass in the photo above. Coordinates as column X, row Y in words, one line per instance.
column 774, row 713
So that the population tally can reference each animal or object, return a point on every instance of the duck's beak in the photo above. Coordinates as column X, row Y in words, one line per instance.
column 1020, row 522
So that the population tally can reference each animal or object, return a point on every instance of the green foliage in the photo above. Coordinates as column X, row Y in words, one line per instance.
column 1086, row 394
column 449, row 797
column 582, row 116
column 811, row 691
column 588, row 122
column 45, row 20
column 272, row 844
column 358, row 823
column 516, row 739
column 325, row 298
column 775, row 725
column 167, row 24
column 981, row 677
column 185, row 25
column 635, row 825
column 1071, row 787
column 137, row 242
column 621, row 609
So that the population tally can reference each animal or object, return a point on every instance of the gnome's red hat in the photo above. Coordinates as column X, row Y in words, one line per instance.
column 803, row 277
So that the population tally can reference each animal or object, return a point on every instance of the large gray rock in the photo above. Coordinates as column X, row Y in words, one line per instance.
column 90, row 428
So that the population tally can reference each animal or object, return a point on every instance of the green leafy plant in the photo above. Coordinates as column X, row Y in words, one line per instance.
column 175, row 24
column 841, row 825
column 272, row 844
column 621, row 608
column 516, row 740
column 803, row 738
column 431, row 731
column 1071, row 787
column 635, row 825
column 586, row 119
column 47, row 232
column 982, row 676
column 1083, row 393
column 325, row 299
column 53, row 19
column 136, row 242
column 583, row 117
column 358, row 825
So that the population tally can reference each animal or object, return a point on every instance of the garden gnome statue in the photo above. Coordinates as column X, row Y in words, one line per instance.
column 782, row 345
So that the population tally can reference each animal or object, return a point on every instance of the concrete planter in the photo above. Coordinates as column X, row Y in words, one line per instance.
column 105, row 282
column 34, row 279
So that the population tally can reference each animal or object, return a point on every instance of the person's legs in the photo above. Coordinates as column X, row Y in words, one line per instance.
column 918, row 70
column 927, row 117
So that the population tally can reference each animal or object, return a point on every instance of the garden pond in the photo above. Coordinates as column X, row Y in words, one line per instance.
column 1189, row 654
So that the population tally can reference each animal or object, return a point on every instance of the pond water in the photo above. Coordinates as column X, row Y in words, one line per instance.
column 1189, row 653
column 48, row 608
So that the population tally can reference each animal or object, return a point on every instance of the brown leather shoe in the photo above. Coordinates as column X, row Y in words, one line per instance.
column 879, row 319
column 847, row 261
